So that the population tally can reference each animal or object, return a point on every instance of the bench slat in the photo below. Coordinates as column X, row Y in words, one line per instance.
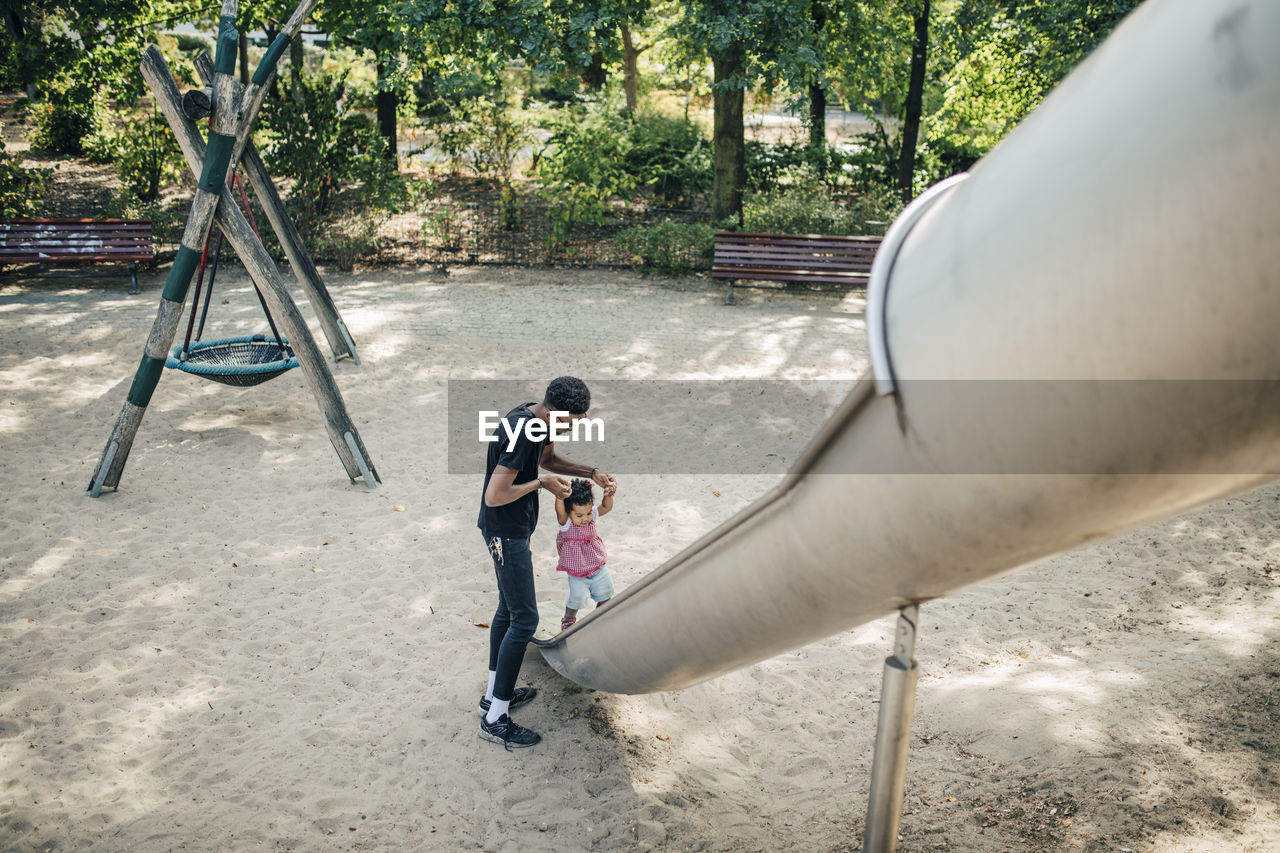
column 729, row 269
column 80, row 240
column 80, row 253
column 36, row 227
column 796, row 268
column 735, row 237
column 765, row 248
column 853, row 278
column 752, row 258
column 72, row 245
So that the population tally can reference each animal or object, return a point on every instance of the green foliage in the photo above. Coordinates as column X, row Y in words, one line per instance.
column 807, row 206
column 769, row 164
column 996, row 60
column 66, row 118
column 482, row 134
column 347, row 240
column 167, row 220
column 581, row 170
column 671, row 156
column 95, row 43
column 20, row 188
column 869, row 164
column 444, row 226
column 325, row 150
column 438, row 94
column 670, row 247
column 146, row 155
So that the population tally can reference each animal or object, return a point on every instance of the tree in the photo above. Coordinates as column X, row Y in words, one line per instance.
column 750, row 44
column 914, row 102
column 818, row 93
column 375, row 27
column 997, row 59
column 89, row 42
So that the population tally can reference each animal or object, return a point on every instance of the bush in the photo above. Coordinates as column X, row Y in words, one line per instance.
column 670, row 247
column 345, row 241
column 325, row 150
column 146, row 155
column 481, row 134
column 437, row 95
column 671, row 156
column 66, row 118
column 769, row 164
column 808, row 207
column 20, row 188
column 871, row 163
column 167, row 220
column 582, row 168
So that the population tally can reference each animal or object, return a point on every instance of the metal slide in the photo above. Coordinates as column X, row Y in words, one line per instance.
column 1081, row 338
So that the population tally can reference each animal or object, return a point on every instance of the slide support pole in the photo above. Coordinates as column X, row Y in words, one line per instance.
column 893, row 737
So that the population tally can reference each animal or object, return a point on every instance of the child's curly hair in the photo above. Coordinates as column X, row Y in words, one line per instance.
column 579, row 495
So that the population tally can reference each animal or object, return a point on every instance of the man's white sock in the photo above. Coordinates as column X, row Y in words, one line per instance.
column 493, row 676
column 497, row 708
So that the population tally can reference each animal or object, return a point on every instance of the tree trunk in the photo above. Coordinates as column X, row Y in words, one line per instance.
column 297, row 58
column 594, row 76
column 818, row 126
column 272, row 32
column 244, row 59
column 630, row 70
column 18, row 31
column 729, row 136
column 818, row 96
column 386, row 106
column 915, row 99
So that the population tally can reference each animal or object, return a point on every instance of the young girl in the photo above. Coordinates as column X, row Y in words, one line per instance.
column 582, row 554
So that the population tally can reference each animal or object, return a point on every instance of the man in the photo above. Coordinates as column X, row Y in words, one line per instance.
column 508, row 516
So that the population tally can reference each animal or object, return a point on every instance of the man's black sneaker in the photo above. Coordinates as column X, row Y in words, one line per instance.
column 508, row 733
column 523, row 696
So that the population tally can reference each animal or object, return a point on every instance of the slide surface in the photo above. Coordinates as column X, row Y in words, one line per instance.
column 1080, row 339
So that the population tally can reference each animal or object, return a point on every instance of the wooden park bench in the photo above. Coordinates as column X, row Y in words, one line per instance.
column 809, row 258
column 77, row 241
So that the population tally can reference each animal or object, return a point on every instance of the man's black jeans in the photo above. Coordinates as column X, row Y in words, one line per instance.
column 517, row 616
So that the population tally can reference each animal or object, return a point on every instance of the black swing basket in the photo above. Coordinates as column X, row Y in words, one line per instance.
column 241, row 361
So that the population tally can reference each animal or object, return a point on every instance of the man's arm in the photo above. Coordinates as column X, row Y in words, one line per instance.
column 557, row 464
column 502, row 489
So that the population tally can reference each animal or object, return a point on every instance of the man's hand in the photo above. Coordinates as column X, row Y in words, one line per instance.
column 604, row 480
column 558, row 486
column 611, row 489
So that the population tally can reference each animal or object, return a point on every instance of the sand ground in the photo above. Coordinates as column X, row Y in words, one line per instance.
column 239, row 650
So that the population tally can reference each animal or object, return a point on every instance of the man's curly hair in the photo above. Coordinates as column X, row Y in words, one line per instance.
column 568, row 394
column 579, row 495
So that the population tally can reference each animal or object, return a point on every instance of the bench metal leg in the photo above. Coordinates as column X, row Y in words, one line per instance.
column 133, row 274
column 729, row 300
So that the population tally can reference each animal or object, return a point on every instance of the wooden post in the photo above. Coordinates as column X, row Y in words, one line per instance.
column 304, row 268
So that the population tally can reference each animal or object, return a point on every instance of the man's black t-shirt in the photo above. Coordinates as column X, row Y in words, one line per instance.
column 517, row 519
